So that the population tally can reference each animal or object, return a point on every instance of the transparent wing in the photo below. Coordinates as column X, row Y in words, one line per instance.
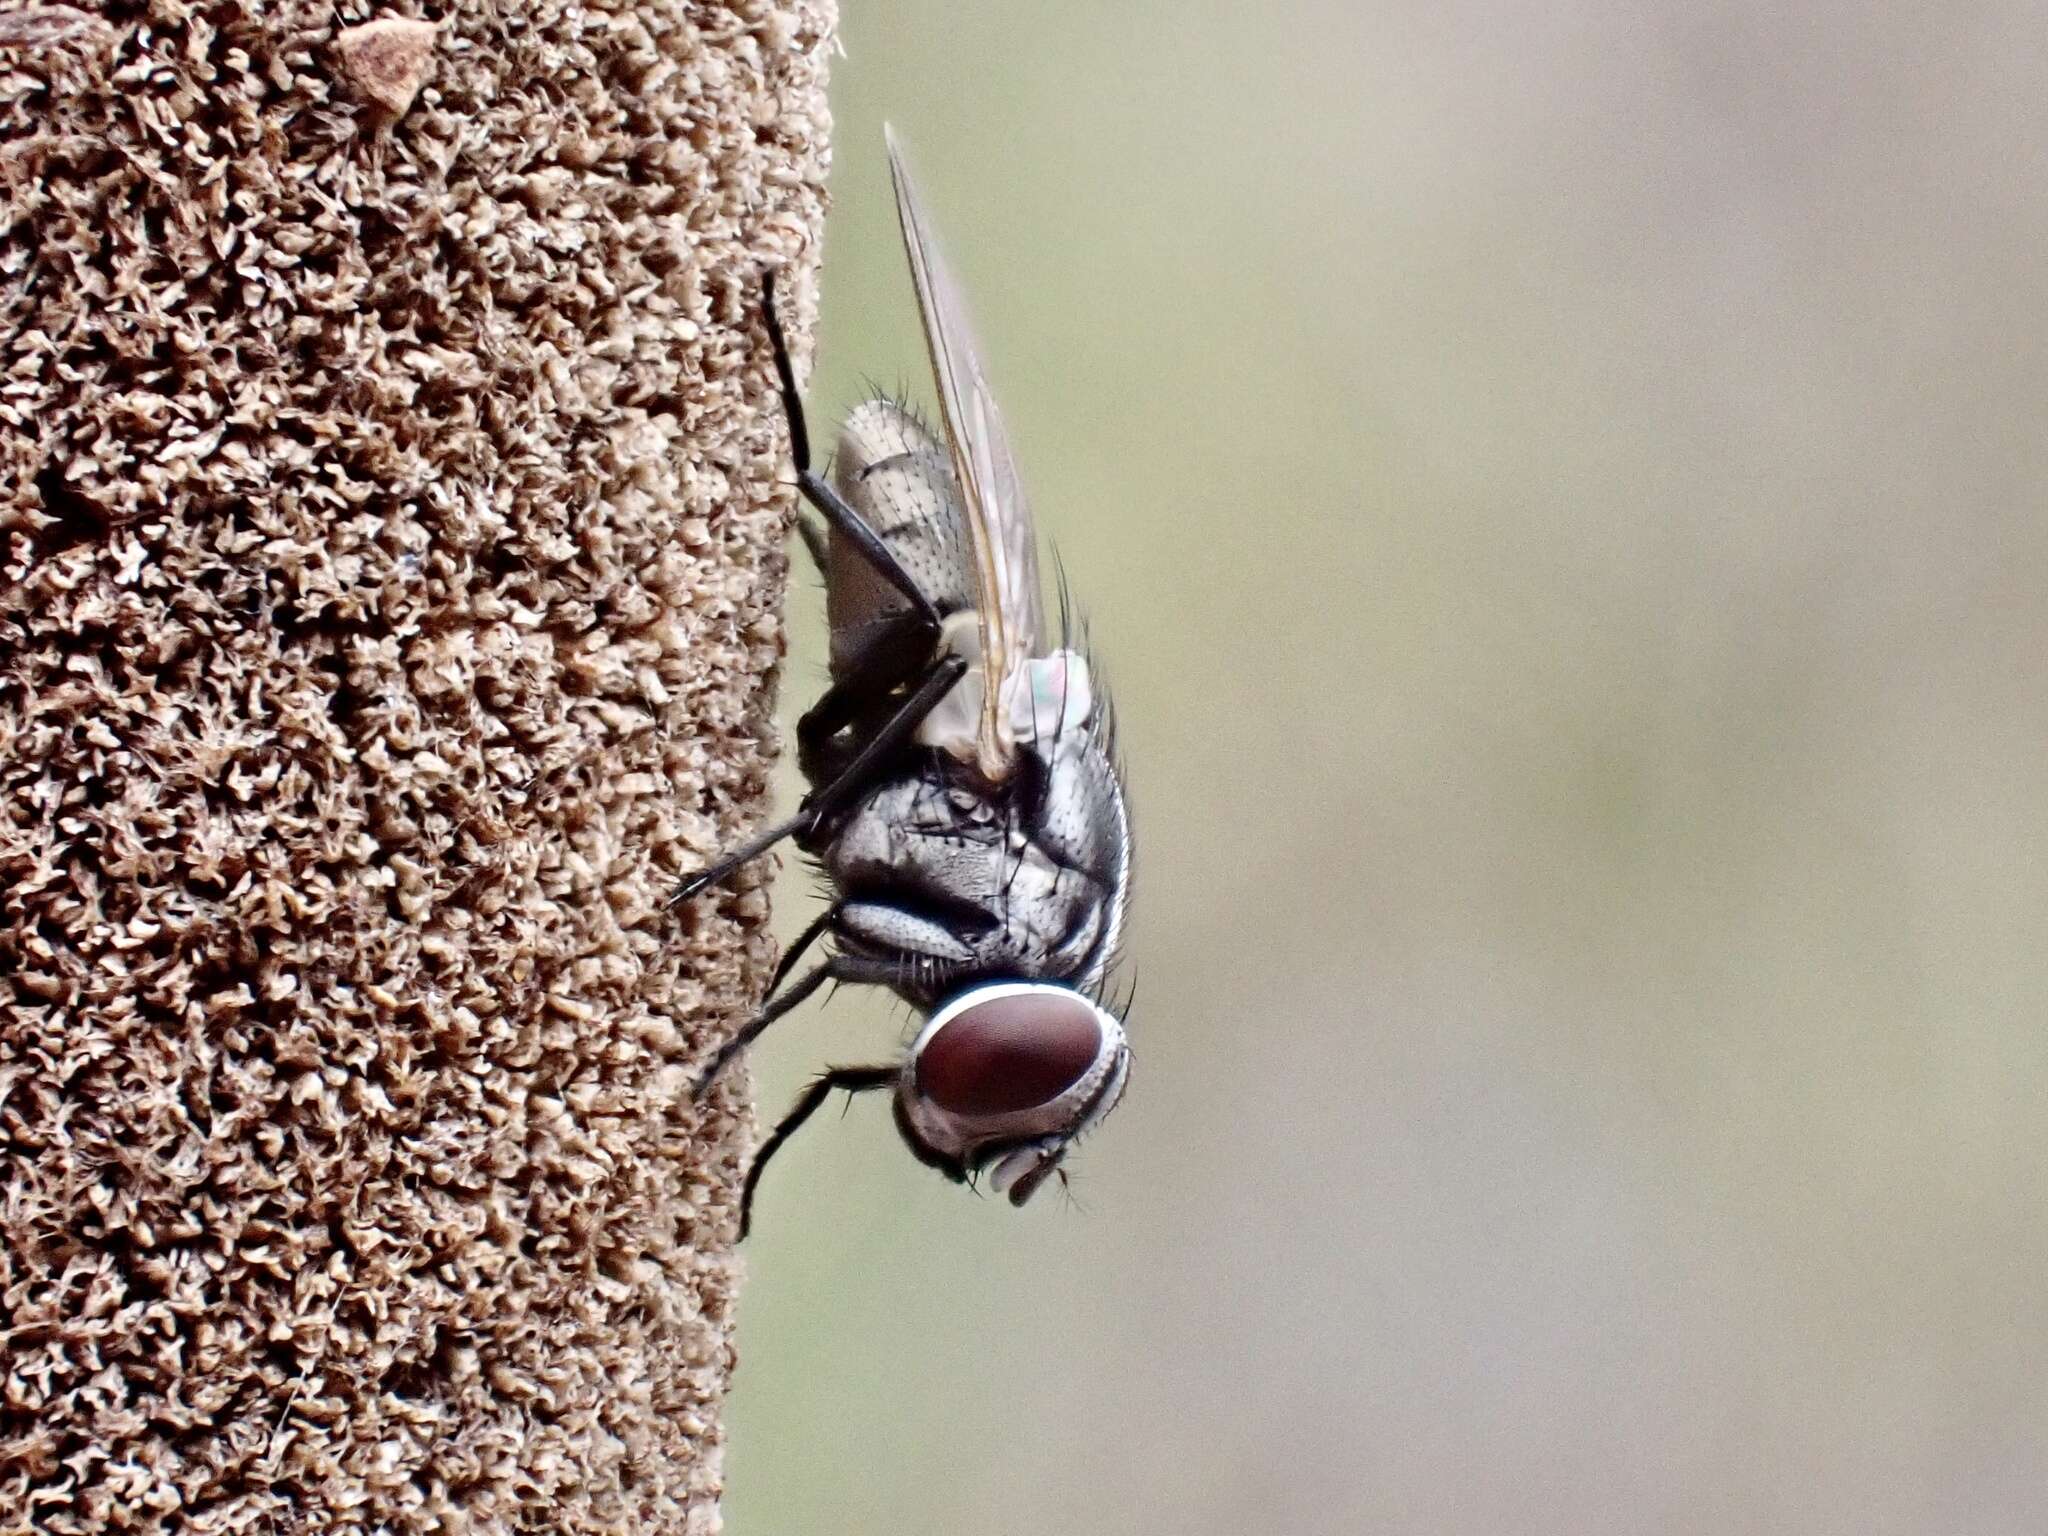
column 1005, row 546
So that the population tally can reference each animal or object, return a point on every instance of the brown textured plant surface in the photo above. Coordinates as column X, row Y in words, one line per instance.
column 389, row 574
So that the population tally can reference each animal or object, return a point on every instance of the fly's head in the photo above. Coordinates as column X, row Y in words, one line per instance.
column 1005, row 1076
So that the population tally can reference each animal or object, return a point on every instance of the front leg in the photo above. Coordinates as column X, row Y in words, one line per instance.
column 857, row 968
column 851, row 1079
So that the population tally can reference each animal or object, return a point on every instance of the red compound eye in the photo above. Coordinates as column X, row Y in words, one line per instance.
column 1010, row 1052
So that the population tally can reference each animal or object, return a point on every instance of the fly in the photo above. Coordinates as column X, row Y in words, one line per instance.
column 965, row 800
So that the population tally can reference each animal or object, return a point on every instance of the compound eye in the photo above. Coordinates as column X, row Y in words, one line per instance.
column 1014, row 1050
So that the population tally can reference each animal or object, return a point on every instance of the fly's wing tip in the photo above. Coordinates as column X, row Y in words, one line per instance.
column 976, row 443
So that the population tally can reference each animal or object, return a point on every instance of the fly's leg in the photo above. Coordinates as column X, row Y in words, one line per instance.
column 820, row 494
column 803, row 941
column 821, row 802
column 754, row 1027
column 746, row 853
column 886, row 742
column 886, row 657
column 852, row 1079
column 900, row 653
column 839, row 968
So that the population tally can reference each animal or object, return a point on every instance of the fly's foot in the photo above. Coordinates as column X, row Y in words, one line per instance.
column 698, row 883
column 799, row 825
column 708, row 1078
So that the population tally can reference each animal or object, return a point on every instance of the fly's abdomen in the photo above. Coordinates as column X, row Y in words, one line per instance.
column 900, row 481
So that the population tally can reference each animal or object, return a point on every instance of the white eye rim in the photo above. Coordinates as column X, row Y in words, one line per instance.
column 1060, row 1119
column 995, row 991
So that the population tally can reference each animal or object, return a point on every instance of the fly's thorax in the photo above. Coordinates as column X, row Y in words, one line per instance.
column 940, row 872
column 917, row 837
column 1066, row 892
column 1005, row 1076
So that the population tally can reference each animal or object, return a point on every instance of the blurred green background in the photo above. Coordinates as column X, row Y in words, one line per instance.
column 1559, row 491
